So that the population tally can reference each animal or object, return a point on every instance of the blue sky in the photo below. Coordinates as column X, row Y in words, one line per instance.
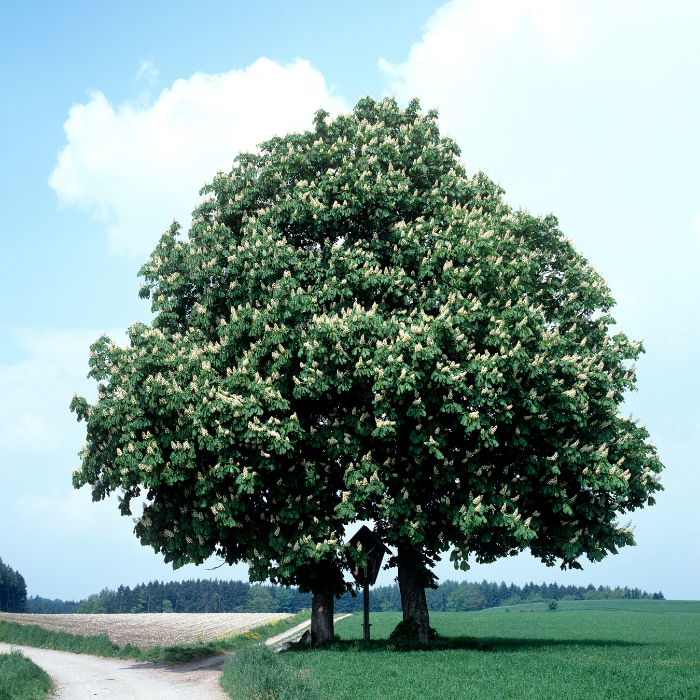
column 113, row 115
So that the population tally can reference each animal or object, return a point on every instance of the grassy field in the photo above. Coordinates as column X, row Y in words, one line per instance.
column 631, row 606
column 585, row 650
column 20, row 679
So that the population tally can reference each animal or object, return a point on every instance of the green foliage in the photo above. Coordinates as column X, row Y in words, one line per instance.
column 192, row 596
column 21, row 679
column 96, row 604
column 552, row 604
column 260, row 600
column 405, row 631
column 13, row 590
column 453, row 596
column 44, row 606
column 35, row 636
column 405, row 635
column 258, row 673
column 590, row 655
column 354, row 328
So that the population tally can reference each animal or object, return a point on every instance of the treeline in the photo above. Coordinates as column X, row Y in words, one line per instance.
column 13, row 590
column 212, row 596
column 43, row 606
column 464, row 596
column 200, row 596
column 453, row 597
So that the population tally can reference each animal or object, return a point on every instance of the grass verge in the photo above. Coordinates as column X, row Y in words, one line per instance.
column 257, row 672
column 101, row 645
column 234, row 642
column 21, row 679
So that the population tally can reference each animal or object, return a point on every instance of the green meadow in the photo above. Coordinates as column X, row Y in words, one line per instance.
column 583, row 650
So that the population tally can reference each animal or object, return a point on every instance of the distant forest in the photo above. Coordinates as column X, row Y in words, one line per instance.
column 13, row 590
column 211, row 596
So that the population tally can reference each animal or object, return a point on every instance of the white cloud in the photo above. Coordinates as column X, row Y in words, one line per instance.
column 137, row 167
column 494, row 69
column 147, row 71
column 561, row 102
column 461, row 37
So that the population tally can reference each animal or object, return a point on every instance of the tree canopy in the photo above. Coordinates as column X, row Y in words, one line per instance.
column 353, row 328
column 13, row 590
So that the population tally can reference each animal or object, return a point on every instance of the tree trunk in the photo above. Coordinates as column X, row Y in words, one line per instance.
column 412, row 581
column 322, row 617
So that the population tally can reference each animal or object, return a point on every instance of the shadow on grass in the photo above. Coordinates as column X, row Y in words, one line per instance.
column 486, row 644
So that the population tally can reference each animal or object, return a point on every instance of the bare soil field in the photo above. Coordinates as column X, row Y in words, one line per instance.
column 148, row 630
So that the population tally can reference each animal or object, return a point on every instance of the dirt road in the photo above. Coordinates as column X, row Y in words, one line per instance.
column 79, row 677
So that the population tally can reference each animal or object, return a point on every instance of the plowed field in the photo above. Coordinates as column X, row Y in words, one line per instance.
column 149, row 630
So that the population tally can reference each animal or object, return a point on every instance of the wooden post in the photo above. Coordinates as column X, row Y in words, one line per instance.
column 365, row 625
column 365, row 576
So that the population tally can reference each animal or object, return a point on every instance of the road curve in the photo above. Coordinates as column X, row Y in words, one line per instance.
column 80, row 676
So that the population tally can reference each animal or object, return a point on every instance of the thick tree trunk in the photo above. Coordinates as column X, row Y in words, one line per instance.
column 413, row 575
column 322, row 617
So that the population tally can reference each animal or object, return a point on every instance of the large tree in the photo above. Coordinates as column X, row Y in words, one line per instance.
column 355, row 329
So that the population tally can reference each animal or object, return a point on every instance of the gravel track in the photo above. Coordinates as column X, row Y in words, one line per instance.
column 80, row 676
